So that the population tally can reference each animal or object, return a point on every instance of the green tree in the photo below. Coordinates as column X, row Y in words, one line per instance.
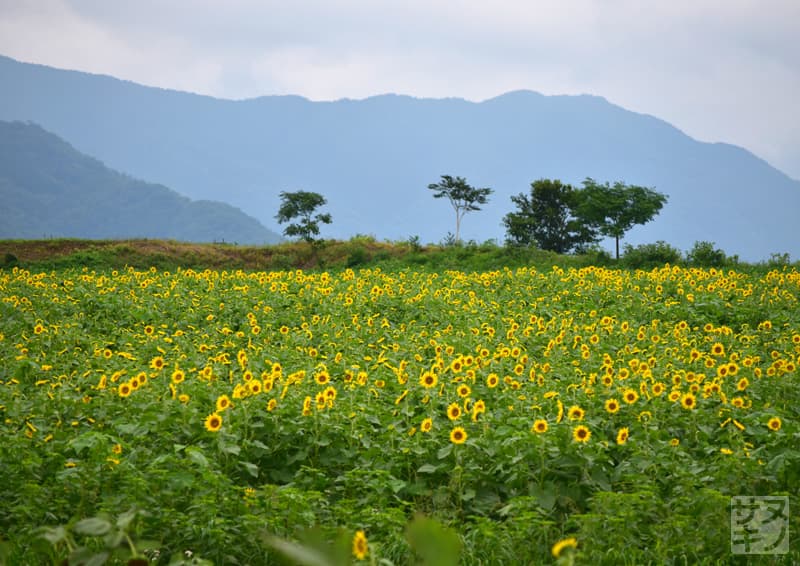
column 706, row 254
column 613, row 210
column 301, row 205
column 545, row 218
column 461, row 195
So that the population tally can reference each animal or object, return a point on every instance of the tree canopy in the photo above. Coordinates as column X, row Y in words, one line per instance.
column 545, row 218
column 462, row 196
column 302, row 205
column 613, row 210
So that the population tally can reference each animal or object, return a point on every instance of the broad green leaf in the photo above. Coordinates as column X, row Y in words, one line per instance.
column 97, row 559
column 54, row 535
column 196, row 456
column 125, row 519
column 302, row 555
column 92, row 526
column 230, row 448
column 434, row 544
column 251, row 468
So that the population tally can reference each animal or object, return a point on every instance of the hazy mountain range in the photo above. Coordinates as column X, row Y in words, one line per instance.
column 373, row 159
column 48, row 189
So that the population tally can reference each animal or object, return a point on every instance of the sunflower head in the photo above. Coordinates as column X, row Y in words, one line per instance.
column 562, row 545
column 575, row 413
column 630, row 396
column 428, row 380
column 458, row 435
column 581, row 434
column 774, row 424
column 124, row 389
column 213, row 422
column 360, row 547
column 612, row 406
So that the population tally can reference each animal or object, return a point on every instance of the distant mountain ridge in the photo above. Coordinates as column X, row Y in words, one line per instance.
column 374, row 158
column 48, row 189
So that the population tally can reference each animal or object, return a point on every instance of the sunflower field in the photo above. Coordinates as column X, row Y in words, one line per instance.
column 587, row 416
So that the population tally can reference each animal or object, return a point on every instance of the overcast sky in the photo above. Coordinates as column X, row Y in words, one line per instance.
column 720, row 70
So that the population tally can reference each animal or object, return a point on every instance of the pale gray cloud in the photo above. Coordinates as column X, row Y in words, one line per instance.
column 719, row 70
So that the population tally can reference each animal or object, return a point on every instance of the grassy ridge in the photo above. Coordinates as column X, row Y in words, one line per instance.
column 359, row 251
column 356, row 252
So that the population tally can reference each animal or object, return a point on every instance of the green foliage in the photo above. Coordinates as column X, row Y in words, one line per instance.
column 429, row 543
column 650, row 255
column 545, row 219
column 594, row 255
column 9, row 260
column 450, row 241
column 363, row 239
column 613, row 210
column 314, row 548
column 76, row 455
column 358, row 255
column 283, row 261
column 414, row 243
column 98, row 539
column 641, row 527
column 434, row 544
column 705, row 254
column 462, row 196
column 778, row 260
column 301, row 205
column 170, row 255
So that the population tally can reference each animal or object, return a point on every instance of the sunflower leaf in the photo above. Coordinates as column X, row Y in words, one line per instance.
column 251, row 468
column 444, row 452
column 92, row 526
column 196, row 456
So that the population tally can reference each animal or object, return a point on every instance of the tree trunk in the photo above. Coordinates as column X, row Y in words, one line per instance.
column 617, row 240
column 458, row 226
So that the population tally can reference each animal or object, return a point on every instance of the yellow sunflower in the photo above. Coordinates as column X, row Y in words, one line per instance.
column 178, row 376
column 360, row 547
column 559, row 547
column 223, row 402
column 213, row 422
column 630, row 396
column 539, row 426
column 454, row 411
column 581, row 433
column 124, row 389
column 157, row 363
column 428, row 380
column 688, row 401
column 458, row 435
column 575, row 413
